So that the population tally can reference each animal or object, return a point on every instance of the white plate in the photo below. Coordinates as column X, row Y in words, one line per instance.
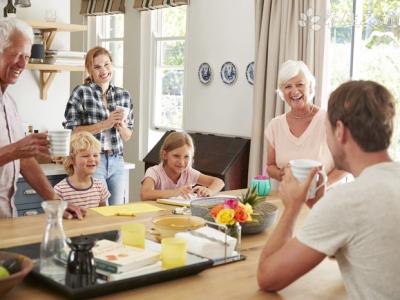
column 205, row 73
column 250, row 73
column 228, row 73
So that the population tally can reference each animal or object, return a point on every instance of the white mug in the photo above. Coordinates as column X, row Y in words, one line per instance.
column 124, row 109
column 301, row 168
column 59, row 142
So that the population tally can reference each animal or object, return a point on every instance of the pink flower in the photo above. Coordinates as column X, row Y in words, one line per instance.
column 230, row 203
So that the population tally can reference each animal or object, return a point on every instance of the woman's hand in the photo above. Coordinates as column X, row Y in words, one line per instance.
column 275, row 172
column 122, row 124
column 202, row 191
column 115, row 117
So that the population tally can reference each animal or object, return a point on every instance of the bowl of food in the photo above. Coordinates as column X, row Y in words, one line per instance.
column 168, row 225
column 13, row 268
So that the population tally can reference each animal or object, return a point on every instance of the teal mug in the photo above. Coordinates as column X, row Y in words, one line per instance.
column 262, row 184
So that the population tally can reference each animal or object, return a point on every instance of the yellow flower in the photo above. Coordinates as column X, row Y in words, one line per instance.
column 226, row 216
column 249, row 210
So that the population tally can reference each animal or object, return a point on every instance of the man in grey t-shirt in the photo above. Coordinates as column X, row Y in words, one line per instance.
column 358, row 222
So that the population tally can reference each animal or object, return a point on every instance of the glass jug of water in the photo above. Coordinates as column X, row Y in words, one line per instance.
column 53, row 248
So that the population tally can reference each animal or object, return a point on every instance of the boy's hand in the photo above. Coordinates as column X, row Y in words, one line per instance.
column 74, row 212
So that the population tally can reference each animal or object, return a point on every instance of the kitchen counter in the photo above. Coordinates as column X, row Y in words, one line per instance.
column 58, row 169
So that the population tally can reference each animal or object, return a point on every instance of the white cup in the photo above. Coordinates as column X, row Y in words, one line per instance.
column 124, row 109
column 301, row 168
column 59, row 142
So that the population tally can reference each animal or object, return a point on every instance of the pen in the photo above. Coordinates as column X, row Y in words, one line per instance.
column 125, row 214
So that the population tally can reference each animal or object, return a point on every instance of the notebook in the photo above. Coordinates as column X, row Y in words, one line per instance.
column 180, row 201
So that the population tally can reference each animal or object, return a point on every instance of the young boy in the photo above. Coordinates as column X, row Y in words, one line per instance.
column 80, row 187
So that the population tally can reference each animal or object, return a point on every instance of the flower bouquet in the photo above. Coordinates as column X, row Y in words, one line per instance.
column 232, row 213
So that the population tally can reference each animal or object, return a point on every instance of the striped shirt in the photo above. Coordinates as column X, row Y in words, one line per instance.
column 85, row 107
column 92, row 196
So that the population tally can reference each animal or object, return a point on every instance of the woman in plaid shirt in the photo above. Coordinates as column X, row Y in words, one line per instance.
column 104, row 110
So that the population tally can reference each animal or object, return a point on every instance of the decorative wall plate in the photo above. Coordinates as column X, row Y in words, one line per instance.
column 228, row 73
column 205, row 73
column 250, row 73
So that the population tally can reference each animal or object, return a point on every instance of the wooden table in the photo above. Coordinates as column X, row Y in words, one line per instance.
column 231, row 281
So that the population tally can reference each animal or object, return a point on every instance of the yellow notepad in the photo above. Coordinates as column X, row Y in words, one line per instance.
column 175, row 201
column 126, row 209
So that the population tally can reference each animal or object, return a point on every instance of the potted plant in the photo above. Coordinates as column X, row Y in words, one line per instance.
column 264, row 213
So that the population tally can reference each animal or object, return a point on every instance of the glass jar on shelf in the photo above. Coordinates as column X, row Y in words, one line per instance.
column 38, row 48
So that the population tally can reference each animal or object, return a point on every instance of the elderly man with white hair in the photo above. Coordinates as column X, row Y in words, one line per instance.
column 299, row 133
column 17, row 153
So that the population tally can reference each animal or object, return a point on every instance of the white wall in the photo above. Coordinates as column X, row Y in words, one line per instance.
column 50, row 113
column 219, row 31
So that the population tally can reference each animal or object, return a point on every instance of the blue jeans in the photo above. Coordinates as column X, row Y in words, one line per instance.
column 111, row 172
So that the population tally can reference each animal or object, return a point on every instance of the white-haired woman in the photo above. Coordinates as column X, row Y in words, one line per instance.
column 299, row 133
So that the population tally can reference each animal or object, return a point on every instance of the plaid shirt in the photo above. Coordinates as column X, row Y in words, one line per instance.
column 85, row 107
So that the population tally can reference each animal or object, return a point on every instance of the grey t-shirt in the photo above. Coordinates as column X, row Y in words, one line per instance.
column 359, row 223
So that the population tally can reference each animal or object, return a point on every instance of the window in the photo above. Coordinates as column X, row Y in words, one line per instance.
column 168, row 45
column 365, row 44
column 110, row 35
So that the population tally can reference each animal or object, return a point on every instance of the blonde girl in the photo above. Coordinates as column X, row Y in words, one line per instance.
column 174, row 176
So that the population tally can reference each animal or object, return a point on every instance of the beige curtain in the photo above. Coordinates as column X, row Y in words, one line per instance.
column 285, row 29
column 102, row 7
column 156, row 4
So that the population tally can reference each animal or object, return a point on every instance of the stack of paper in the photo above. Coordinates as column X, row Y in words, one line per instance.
column 126, row 209
column 65, row 57
column 209, row 242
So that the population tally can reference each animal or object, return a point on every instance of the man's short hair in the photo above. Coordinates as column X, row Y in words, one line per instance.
column 7, row 26
column 367, row 109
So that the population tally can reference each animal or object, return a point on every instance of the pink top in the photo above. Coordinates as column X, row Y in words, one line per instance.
column 311, row 144
column 163, row 182
column 10, row 131
column 86, row 198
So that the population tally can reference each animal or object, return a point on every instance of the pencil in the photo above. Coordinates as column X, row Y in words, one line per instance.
column 125, row 214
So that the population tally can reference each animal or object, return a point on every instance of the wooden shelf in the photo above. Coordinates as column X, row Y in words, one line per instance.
column 48, row 71
column 55, row 68
column 43, row 25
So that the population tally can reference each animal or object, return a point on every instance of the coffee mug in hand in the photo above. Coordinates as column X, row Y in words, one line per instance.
column 301, row 168
column 124, row 109
column 173, row 252
column 59, row 142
